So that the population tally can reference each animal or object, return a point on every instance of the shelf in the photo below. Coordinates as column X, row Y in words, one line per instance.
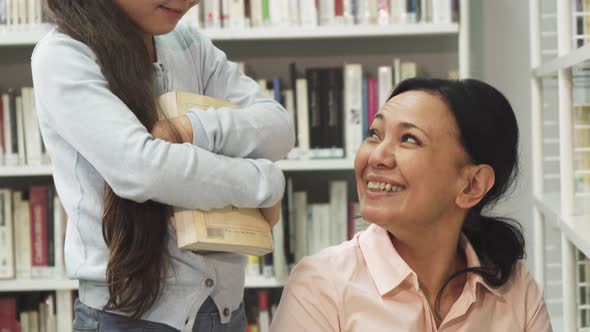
column 20, row 36
column 576, row 228
column 263, row 282
column 28, row 285
column 21, row 171
column 316, row 164
column 31, row 285
column 335, row 31
column 569, row 60
column 15, row 36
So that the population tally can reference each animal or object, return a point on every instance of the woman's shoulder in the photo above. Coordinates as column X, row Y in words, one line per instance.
column 335, row 262
column 522, row 289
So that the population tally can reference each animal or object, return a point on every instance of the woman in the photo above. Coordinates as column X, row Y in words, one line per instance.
column 118, row 169
column 438, row 153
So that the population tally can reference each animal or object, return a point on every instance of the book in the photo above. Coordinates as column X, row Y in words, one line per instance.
column 6, row 235
column 230, row 229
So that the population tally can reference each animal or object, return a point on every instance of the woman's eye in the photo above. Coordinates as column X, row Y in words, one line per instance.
column 409, row 139
column 373, row 133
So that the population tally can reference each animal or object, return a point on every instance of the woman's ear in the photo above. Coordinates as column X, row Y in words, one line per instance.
column 480, row 179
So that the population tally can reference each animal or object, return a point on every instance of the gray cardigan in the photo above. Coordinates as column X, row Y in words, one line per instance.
column 93, row 138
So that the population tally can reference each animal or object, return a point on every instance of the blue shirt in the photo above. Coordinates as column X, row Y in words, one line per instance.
column 93, row 139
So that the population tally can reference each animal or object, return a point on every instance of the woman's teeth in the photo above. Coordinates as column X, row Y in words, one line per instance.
column 384, row 186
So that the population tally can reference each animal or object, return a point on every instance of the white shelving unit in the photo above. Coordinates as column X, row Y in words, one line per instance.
column 14, row 38
column 31, row 35
column 564, row 210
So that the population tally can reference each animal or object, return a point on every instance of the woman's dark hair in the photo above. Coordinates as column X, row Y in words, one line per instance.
column 489, row 134
column 136, row 233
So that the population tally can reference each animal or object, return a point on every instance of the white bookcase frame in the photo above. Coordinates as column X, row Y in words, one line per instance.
column 561, row 209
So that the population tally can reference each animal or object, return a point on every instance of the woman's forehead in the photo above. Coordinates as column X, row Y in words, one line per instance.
column 421, row 108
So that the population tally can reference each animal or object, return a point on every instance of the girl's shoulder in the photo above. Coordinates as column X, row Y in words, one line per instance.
column 56, row 47
column 184, row 35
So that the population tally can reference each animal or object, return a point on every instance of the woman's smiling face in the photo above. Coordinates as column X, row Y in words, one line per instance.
column 410, row 169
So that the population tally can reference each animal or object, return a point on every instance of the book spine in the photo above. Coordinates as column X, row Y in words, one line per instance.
column 22, row 237
column 399, row 12
column 373, row 98
column 383, row 12
column 279, row 256
column 301, row 215
column 293, row 82
column 38, row 215
column 263, row 311
column 20, row 130
column 225, row 13
column 338, row 208
column 49, row 217
column 348, row 11
column 334, row 122
column 385, row 77
column 3, row 7
column 413, row 11
column 327, row 12
column 442, row 11
column 256, row 13
column 237, row 16
column 308, row 11
column 353, row 108
column 6, row 236
column 294, row 14
column 212, row 15
column 13, row 130
column 315, row 123
column 265, row 12
column 276, row 86
column 303, row 131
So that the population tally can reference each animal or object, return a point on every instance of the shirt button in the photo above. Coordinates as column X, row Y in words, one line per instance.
column 209, row 282
column 226, row 312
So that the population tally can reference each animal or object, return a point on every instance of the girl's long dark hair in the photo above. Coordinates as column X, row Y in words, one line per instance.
column 489, row 134
column 134, row 232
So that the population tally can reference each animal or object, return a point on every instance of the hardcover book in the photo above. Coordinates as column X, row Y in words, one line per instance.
column 231, row 229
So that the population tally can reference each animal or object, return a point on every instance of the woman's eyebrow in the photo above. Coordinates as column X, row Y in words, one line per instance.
column 409, row 125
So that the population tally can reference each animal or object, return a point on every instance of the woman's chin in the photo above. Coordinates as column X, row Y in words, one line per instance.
column 377, row 216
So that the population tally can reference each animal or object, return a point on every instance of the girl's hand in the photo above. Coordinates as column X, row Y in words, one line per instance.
column 273, row 213
column 163, row 130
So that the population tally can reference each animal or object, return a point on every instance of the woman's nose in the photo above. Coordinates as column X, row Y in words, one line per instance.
column 383, row 156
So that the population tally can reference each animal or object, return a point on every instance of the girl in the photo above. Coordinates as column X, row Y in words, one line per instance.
column 438, row 154
column 96, row 78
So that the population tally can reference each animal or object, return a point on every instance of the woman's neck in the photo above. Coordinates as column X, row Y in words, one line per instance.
column 434, row 255
column 151, row 47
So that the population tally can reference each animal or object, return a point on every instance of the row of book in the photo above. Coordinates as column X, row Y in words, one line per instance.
column 261, row 306
column 37, row 312
column 20, row 137
column 32, row 233
column 21, row 12
column 306, row 228
column 333, row 107
column 239, row 14
column 582, row 145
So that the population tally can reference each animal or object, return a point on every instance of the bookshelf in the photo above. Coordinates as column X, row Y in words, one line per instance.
column 559, row 84
column 31, row 35
column 438, row 47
